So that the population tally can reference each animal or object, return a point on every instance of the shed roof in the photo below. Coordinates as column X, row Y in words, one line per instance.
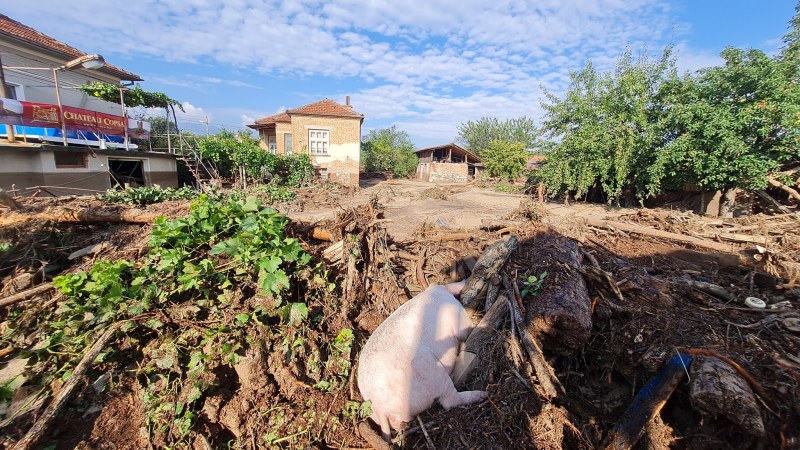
column 453, row 146
column 15, row 30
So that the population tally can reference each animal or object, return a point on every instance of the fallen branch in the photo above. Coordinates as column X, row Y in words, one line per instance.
column 544, row 373
column 711, row 288
column 792, row 193
column 26, row 295
column 647, row 231
column 7, row 201
column 65, row 393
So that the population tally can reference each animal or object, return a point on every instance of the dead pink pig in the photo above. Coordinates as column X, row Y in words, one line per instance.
column 406, row 364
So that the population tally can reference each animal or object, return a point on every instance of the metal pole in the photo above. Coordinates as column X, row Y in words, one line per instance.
column 169, row 139
column 124, row 115
column 60, row 110
column 4, row 94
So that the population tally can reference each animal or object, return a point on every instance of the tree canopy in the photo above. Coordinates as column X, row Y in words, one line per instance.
column 478, row 135
column 389, row 149
column 642, row 128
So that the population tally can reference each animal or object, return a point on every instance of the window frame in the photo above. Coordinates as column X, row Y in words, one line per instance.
column 272, row 144
column 85, row 157
column 287, row 143
column 313, row 142
column 19, row 90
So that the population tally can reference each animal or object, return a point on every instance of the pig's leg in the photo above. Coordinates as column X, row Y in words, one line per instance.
column 383, row 420
column 455, row 288
column 464, row 325
column 453, row 398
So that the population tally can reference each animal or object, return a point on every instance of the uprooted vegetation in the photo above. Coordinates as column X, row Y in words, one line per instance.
column 241, row 329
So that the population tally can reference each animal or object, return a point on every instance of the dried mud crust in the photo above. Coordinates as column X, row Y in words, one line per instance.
column 263, row 401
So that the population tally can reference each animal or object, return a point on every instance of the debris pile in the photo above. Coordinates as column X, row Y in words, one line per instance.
column 588, row 336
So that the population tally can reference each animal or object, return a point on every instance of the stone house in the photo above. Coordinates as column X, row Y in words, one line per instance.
column 329, row 132
column 447, row 163
column 29, row 160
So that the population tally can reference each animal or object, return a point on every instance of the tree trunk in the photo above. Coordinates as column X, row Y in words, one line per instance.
column 87, row 215
column 728, row 203
column 7, row 201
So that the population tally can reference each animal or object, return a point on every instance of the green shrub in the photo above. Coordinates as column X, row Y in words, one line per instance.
column 505, row 159
column 147, row 195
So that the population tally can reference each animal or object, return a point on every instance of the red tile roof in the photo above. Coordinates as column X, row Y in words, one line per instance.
column 281, row 117
column 11, row 28
column 326, row 107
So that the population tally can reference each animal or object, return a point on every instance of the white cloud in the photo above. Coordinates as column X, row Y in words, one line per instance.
column 426, row 64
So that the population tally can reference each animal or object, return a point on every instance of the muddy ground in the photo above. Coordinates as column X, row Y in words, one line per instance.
column 410, row 234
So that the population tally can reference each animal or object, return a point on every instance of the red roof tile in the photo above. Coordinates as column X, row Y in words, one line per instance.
column 326, row 107
column 12, row 28
column 281, row 117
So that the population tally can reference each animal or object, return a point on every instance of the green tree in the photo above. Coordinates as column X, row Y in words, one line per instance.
column 604, row 132
column 732, row 125
column 505, row 159
column 389, row 149
column 477, row 136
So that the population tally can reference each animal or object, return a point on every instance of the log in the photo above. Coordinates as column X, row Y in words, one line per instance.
column 88, row 215
column 648, row 403
column 560, row 316
column 717, row 388
column 473, row 351
column 63, row 396
column 26, row 295
column 647, row 231
column 487, row 266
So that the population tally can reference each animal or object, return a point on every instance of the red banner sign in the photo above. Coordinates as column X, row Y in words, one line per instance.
column 15, row 112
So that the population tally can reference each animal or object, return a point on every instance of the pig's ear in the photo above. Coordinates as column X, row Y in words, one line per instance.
column 455, row 288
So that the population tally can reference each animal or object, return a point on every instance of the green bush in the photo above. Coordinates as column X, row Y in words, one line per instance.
column 147, row 195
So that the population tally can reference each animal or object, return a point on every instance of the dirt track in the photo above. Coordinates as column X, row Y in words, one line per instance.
column 411, row 203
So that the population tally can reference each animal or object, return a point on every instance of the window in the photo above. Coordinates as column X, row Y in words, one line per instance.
column 273, row 147
column 318, row 142
column 287, row 143
column 70, row 160
column 14, row 91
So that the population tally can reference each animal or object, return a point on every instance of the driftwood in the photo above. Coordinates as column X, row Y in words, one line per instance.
column 321, row 234
column 648, row 403
column 7, row 201
column 647, row 231
column 560, row 316
column 26, row 295
column 65, row 393
column 87, row 215
column 716, row 388
column 544, row 372
column 372, row 437
column 472, row 354
column 792, row 193
column 711, row 288
column 488, row 265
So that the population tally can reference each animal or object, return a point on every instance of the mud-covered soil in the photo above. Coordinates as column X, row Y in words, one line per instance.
column 262, row 402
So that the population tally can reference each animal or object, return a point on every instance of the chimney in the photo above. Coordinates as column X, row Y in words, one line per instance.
column 347, row 101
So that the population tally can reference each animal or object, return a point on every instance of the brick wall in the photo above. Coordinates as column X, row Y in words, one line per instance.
column 448, row 172
column 343, row 172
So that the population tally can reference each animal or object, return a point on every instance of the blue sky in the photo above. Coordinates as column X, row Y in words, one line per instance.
column 423, row 65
